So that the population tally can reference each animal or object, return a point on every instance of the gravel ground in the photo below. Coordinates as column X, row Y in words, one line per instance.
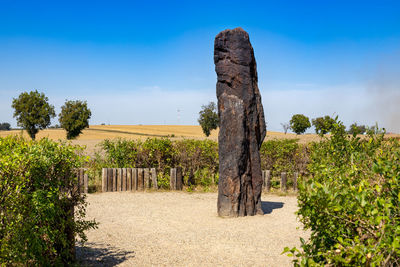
column 183, row 229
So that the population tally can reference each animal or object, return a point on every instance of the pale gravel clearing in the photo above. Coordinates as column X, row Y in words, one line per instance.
column 183, row 229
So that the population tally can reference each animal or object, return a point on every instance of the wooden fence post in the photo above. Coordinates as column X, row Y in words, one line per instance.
column 134, row 179
column 268, row 180
column 81, row 180
column 263, row 178
column 109, row 180
column 172, row 179
column 85, row 183
column 283, row 182
column 103, row 180
column 123, row 182
column 114, row 178
column 154, row 178
column 295, row 176
column 69, row 231
column 128, row 179
column 146, row 178
column 140, row 179
column 119, row 179
column 179, row 178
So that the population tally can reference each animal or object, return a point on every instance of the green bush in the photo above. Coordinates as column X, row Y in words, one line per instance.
column 163, row 180
column 160, row 153
column 37, row 195
column 119, row 153
column 351, row 204
column 198, row 158
column 155, row 152
column 283, row 155
column 195, row 155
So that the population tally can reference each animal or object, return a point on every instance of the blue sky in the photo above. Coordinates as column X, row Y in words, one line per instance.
column 139, row 62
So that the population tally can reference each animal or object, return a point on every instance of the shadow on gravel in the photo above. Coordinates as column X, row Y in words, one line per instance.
column 269, row 206
column 93, row 254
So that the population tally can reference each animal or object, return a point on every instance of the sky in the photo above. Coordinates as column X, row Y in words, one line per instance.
column 151, row 62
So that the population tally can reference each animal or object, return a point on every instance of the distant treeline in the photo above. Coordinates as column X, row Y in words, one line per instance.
column 5, row 126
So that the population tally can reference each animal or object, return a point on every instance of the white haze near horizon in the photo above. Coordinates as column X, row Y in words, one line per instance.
column 365, row 104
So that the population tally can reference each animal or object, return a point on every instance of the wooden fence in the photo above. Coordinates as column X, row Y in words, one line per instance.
column 137, row 179
column 83, row 180
column 283, row 183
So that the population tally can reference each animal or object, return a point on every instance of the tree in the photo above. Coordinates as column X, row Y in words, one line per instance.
column 374, row 130
column 323, row 125
column 74, row 117
column 208, row 119
column 355, row 129
column 285, row 126
column 299, row 123
column 5, row 126
column 33, row 112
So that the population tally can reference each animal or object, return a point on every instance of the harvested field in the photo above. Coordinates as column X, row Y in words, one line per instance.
column 182, row 229
column 96, row 133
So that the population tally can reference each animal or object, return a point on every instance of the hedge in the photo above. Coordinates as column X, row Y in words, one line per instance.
column 37, row 181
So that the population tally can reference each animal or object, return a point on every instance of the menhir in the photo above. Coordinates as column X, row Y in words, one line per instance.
column 242, row 125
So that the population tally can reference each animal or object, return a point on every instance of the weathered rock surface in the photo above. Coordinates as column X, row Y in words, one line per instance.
column 242, row 125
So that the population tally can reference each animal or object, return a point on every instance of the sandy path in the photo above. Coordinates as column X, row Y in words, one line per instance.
column 182, row 229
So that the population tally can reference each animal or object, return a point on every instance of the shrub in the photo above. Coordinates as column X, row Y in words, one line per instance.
column 156, row 152
column 163, row 180
column 37, row 196
column 351, row 204
column 160, row 153
column 283, row 155
column 120, row 153
column 33, row 112
column 198, row 158
column 194, row 155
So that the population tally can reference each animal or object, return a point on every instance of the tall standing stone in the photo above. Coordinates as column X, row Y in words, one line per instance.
column 242, row 125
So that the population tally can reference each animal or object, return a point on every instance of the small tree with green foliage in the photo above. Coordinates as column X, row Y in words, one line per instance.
column 5, row 126
column 208, row 119
column 355, row 129
column 323, row 125
column 299, row 123
column 33, row 112
column 74, row 117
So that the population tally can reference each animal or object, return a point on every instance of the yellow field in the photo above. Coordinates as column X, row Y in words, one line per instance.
column 101, row 132
column 95, row 133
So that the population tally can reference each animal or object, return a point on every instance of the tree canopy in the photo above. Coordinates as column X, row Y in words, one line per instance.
column 33, row 112
column 74, row 117
column 208, row 118
column 355, row 129
column 5, row 126
column 299, row 123
column 323, row 125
